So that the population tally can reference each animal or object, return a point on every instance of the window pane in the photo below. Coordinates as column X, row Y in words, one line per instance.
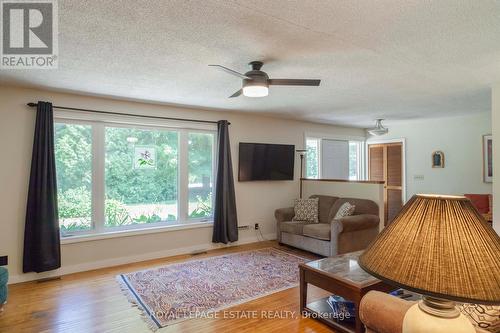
column 73, row 153
column 200, row 162
column 353, row 160
column 334, row 159
column 141, row 176
column 312, row 146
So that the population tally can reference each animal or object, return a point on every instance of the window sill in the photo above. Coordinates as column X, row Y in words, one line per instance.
column 133, row 232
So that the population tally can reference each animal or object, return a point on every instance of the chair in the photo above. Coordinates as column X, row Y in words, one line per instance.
column 482, row 202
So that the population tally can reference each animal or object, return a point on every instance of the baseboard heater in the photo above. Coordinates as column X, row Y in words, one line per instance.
column 198, row 252
column 48, row 279
column 243, row 227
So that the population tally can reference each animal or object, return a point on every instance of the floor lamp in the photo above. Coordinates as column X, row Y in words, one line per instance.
column 301, row 153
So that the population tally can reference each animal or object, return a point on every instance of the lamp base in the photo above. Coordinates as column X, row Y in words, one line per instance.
column 434, row 315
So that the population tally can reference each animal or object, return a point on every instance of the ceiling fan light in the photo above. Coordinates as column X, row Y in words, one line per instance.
column 255, row 91
column 379, row 129
column 378, row 132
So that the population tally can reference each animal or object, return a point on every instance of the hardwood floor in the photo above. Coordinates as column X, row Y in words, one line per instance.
column 93, row 302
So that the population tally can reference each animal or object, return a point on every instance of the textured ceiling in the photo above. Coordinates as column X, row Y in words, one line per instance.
column 394, row 59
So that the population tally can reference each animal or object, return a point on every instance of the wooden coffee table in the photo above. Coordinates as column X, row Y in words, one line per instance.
column 342, row 276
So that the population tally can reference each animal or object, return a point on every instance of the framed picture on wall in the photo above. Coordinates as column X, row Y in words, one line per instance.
column 438, row 159
column 488, row 158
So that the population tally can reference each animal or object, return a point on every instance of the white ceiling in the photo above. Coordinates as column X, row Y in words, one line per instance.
column 395, row 59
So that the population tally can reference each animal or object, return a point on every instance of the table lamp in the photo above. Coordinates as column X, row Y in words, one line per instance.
column 441, row 247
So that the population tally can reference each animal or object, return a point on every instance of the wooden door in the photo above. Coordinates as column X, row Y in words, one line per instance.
column 385, row 163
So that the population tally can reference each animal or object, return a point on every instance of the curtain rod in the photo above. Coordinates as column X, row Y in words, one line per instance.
column 31, row 104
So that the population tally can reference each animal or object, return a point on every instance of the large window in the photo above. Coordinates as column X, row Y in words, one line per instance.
column 334, row 158
column 115, row 177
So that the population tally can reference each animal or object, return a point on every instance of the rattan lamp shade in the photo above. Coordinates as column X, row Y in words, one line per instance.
column 438, row 246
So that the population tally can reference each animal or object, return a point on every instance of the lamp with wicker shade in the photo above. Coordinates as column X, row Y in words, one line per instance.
column 441, row 247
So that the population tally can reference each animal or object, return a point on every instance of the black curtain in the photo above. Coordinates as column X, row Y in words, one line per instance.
column 42, row 251
column 225, row 219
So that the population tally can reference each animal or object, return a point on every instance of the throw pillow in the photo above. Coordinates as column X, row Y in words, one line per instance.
column 347, row 209
column 306, row 210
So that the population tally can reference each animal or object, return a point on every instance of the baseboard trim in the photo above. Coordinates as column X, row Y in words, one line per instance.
column 70, row 269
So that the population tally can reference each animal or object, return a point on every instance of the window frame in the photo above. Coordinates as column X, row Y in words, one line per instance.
column 98, row 125
column 359, row 140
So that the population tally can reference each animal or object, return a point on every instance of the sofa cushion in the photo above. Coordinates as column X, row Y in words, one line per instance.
column 363, row 206
column 306, row 210
column 292, row 227
column 324, row 205
column 317, row 230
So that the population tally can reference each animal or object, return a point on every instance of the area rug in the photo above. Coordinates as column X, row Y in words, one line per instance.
column 196, row 288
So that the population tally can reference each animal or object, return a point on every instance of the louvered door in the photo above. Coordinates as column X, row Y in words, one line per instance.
column 385, row 163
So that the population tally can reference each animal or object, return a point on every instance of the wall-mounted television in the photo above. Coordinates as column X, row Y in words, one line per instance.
column 262, row 161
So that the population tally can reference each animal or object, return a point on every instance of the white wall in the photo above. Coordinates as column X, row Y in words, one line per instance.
column 256, row 200
column 460, row 138
column 495, row 119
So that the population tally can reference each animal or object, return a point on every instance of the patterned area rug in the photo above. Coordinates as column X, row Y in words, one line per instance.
column 195, row 288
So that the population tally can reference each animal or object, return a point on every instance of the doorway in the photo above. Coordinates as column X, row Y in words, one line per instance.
column 386, row 163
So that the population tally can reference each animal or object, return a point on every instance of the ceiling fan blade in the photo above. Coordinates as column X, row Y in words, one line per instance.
column 293, row 82
column 230, row 71
column 236, row 94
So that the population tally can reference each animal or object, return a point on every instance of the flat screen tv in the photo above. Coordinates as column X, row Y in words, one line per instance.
column 261, row 161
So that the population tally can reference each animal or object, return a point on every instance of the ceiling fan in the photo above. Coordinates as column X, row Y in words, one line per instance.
column 256, row 82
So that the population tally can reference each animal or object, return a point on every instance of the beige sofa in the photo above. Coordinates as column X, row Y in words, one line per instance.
column 330, row 237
